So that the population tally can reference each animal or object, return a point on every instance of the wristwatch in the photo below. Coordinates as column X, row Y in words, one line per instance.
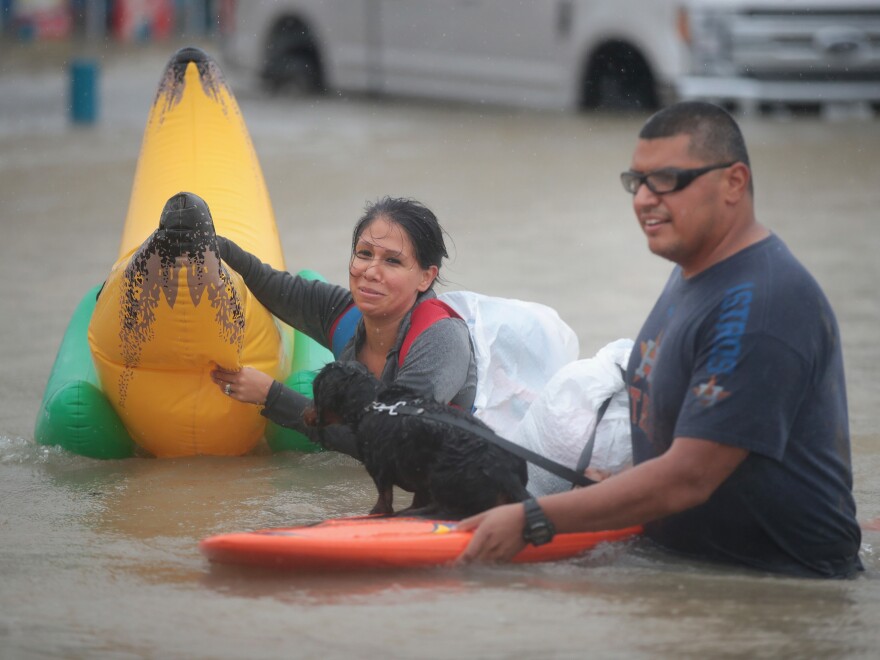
column 538, row 529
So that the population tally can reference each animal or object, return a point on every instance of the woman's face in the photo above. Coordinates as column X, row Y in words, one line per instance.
column 384, row 276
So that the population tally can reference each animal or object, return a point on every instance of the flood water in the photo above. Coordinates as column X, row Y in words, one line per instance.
column 99, row 559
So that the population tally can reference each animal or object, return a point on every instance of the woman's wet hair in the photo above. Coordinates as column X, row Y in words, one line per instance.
column 415, row 219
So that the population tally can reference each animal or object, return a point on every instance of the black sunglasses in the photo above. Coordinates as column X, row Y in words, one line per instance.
column 666, row 180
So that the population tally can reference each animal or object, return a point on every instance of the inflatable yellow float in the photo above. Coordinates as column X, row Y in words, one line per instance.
column 133, row 371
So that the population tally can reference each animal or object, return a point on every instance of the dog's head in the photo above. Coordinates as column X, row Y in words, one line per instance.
column 342, row 391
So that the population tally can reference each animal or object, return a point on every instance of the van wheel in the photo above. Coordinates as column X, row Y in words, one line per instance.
column 292, row 60
column 618, row 78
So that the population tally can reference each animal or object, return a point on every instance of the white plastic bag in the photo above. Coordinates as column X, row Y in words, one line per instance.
column 519, row 345
column 559, row 423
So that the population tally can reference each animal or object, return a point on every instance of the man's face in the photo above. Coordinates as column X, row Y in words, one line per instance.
column 687, row 226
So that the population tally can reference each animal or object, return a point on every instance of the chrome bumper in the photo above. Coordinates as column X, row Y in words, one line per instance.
column 757, row 91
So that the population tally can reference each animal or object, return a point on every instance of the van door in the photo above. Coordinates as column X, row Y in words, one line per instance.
column 494, row 51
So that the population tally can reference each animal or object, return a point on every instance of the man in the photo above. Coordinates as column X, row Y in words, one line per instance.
column 737, row 394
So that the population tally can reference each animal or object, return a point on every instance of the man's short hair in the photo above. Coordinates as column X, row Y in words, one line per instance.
column 715, row 135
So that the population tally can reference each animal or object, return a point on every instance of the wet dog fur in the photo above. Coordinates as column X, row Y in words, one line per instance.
column 451, row 472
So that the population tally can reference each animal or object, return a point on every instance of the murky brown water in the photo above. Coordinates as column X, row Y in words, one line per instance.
column 100, row 559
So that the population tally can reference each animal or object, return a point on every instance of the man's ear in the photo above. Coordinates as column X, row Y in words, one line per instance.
column 738, row 177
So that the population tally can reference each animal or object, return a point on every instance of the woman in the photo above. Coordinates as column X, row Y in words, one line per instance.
column 397, row 249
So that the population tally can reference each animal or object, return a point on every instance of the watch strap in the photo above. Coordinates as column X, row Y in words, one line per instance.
column 538, row 529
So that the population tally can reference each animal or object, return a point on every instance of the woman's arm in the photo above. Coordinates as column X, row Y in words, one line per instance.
column 310, row 306
column 285, row 407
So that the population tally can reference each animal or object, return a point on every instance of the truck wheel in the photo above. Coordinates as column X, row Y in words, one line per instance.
column 618, row 78
column 292, row 60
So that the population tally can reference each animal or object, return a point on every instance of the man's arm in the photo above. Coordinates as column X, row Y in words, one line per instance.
column 685, row 476
column 310, row 306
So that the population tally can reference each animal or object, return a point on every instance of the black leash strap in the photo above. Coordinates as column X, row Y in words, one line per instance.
column 587, row 453
column 576, row 478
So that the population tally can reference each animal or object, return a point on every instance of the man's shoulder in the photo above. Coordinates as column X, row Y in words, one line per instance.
column 786, row 301
column 788, row 279
column 771, row 269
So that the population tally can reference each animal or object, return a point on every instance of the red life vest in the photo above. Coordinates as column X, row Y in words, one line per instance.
column 426, row 314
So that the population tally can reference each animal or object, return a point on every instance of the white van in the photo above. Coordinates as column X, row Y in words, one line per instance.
column 565, row 54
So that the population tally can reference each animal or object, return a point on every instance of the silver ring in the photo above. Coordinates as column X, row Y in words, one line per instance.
column 228, row 389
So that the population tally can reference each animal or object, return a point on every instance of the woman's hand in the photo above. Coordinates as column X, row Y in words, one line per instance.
column 247, row 385
column 498, row 534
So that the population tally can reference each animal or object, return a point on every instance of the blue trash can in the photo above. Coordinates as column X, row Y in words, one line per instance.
column 84, row 91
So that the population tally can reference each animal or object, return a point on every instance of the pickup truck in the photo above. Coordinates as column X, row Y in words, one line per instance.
column 565, row 54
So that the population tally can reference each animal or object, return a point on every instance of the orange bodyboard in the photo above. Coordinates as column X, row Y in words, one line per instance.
column 373, row 542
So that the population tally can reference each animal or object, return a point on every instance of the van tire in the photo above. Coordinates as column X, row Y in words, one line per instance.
column 618, row 78
column 292, row 61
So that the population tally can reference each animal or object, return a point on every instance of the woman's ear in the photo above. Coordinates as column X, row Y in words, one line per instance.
column 428, row 276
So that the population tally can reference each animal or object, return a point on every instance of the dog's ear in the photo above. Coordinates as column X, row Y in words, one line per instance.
column 310, row 416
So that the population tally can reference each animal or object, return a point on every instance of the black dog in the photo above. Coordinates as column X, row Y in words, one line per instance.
column 453, row 473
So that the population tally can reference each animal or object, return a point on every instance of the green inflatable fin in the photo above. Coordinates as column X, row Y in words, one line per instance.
column 74, row 412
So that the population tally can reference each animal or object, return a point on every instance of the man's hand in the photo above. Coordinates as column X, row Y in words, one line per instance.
column 498, row 534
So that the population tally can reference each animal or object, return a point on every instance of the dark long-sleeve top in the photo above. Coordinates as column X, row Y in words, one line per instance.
column 440, row 362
